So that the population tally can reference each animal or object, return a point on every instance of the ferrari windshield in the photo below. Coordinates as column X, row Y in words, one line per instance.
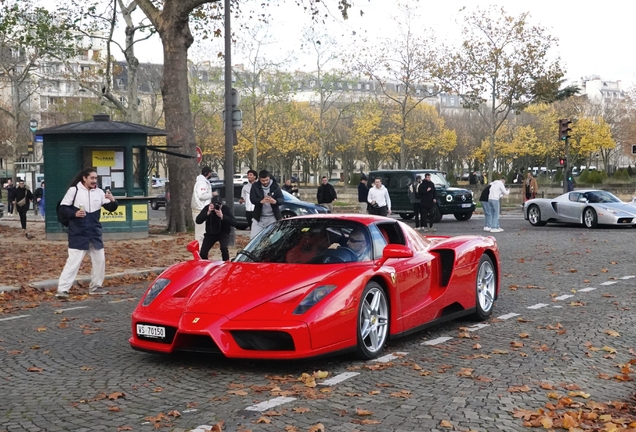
column 309, row 241
column 437, row 178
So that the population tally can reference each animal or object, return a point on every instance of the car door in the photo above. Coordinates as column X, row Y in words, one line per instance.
column 570, row 209
column 412, row 276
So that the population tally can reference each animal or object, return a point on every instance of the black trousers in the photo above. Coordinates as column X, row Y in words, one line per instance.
column 249, row 215
column 22, row 211
column 210, row 239
column 379, row 211
column 428, row 215
column 10, row 206
column 417, row 210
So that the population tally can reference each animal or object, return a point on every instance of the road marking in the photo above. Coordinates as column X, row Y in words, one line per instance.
column 202, row 428
column 563, row 297
column 587, row 289
column 387, row 358
column 609, row 283
column 477, row 327
column 15, row 317
column 508, row 316
column 190, row 410
column 437, row 341
column 627, row 277
column 557, row 307
column 264, row 406
column 339, row 378
column 59, row 311
column 537, row 306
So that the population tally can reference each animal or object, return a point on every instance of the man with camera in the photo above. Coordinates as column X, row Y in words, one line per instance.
column 219, row 221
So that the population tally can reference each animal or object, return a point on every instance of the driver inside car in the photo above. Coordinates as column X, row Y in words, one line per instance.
column 357, row 242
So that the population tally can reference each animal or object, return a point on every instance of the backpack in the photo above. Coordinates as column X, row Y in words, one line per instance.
column 61, row 217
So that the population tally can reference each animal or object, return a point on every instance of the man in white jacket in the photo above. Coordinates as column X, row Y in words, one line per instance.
column 497, row 190
column 201, row 197
column 379, row 199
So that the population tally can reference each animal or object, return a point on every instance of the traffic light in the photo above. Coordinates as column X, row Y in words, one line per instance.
column 563, row 162
column 564, row 129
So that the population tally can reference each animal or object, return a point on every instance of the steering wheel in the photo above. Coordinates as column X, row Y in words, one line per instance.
column 332, row 256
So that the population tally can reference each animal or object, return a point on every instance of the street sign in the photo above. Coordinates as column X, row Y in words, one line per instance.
column 33, row 125
column 199, row 155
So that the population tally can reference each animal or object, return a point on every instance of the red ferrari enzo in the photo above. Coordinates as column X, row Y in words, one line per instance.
column 313, row 285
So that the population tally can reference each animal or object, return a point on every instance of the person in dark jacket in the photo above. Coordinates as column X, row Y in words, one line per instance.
column 428, row 200
column 219, row 221
column 22, row 198
column 326, row 194
column 40, row 199
column 267, row 199
column 289, row 188
column 10, row 187
column 363, row 193
column 485, row 205
column 83, row 204
column 415, row 201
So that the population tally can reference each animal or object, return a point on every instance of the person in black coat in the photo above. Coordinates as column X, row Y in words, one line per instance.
column 363, row 193
column 326, row 194
column 22, row 193
column 219, row 221
column 428, row 199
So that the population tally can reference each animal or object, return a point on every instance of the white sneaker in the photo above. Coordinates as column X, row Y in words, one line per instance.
column 496, row 230
column 486, row 228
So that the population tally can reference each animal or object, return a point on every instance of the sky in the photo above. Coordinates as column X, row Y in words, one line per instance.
column 595, row 38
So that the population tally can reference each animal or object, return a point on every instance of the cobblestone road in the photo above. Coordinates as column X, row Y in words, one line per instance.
column 68, row 366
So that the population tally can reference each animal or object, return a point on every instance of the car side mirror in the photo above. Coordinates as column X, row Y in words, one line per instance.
column 392, row 251
column 193, row 247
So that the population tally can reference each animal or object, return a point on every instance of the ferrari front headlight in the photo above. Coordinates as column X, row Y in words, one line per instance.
column 154, row 290
column 313, row 297
column 609, row 210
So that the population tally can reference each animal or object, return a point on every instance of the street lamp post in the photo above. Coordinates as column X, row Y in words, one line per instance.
column 229, row 136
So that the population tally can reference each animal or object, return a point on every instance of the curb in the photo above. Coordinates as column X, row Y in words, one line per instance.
column 52, row 283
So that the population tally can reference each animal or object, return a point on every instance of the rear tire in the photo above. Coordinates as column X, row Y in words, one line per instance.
column 590, row 220
column 485, row 288
column 463, row 216
column 373, row 321
column 154, row 205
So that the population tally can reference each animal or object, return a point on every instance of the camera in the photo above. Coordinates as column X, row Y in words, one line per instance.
column 217, row 206
column 217, row 202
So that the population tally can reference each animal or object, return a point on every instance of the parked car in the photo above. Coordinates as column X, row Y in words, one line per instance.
column 240, row 179
column 158, row 182
column 1, row 210
column 298, row 290
column 290, row 208
column 589, row 207
column 450, row 200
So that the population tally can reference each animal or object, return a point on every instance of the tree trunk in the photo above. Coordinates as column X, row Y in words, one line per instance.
column 176, row 39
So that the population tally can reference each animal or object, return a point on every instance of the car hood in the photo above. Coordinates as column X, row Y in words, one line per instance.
column 233, row 288
column 456, row 190
column 626, row 207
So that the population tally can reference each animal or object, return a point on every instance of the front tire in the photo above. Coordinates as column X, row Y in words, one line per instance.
column 590, row 220
column 437, row 214
column 534, row 216
column 463, row 216
column 485, row 288
column 372, row 322
column 154, row 205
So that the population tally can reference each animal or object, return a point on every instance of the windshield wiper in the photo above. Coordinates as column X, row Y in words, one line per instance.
column 248, row 254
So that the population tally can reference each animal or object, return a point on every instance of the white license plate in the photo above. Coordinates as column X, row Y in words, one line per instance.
column 151, row 331
column 466, row 205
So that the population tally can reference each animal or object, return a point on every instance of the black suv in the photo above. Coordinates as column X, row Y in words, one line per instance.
column 450, row 200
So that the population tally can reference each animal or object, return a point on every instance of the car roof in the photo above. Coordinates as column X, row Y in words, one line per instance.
column 355, row 217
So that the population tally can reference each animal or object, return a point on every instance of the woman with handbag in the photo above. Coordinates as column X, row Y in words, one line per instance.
column 22, row 199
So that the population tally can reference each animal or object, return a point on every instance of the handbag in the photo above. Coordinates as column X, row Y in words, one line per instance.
column 22, row 202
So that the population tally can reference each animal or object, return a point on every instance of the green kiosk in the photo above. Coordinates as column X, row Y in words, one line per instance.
column 118, row 151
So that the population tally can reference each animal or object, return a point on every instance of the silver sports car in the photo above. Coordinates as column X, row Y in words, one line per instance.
column 589, row 207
